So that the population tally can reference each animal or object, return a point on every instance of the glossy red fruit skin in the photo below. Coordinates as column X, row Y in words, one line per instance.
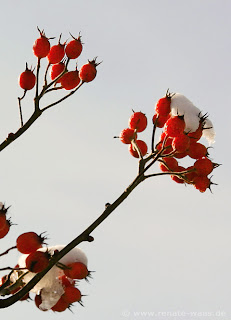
column 201, row 183
column 71, row 294
column 197, row 150
column 3, row 220
column 169, row 164
column 38, row 301
column 176, row 178
column 88, row 71
column 29, row 242
column 61, row 305
column 27, row 80
column 142, row 146
column 76, row 270
column 138, row 121
column 181, row 143
column 191, row 175
column 41, row 47
column 203, row 166
column 74, row 48
column 174, row 126
column 66, row 282
column 70, row 80
column 163, row 106
column 196, row 135
column 127, row 135
column 37, row 261
column 5, row 229
column 56, row 70
column 160, row 120
column 56, row 53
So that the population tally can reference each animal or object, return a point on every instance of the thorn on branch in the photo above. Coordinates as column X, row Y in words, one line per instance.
column 10, row 137
column 90, row 238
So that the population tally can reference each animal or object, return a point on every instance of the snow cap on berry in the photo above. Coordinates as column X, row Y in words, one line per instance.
column 180, row 105
column 208, row 131
column 50, row 285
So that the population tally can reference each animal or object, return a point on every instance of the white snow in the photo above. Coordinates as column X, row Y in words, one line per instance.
column 209, row 133
column 182, row 106
column 50, row 286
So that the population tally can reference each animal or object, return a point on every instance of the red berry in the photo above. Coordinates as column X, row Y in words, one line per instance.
column 3, row 280
column 197, row 150
column 56, row 53
column 176, row 178
column 169, row 164
column 3, row 220
column 5, row 229
column 66, row 282
column 181, row 143
column 38, row 301
column 70, row 80
column 138, row 121
column 196, row 135
column 29, row 242
column 191, row 175
column 203, row 166
column 71, row 295
column 27, row 79
column 61, row 305
column 160, row 120
column 76, row 270
column 201, row 183
column 41, row 46
column 127, row 135
column 141, row 145
column 74, row 48
column 88, row 71
column 37, row 261
column 180, row 155
column 174, row 126
column 163, row 106
column 56, row 70
column 167, row 144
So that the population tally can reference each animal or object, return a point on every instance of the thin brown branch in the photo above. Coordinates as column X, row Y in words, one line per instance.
column 84, row 236
column 20, row 108
column 62, row 99
column 37, row 80
column 5, row 252
column 153, row 137
column 21, row 130
column 53, row 89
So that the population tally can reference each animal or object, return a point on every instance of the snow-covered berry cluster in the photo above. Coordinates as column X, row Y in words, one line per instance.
column 183, row 126
column 57, row 290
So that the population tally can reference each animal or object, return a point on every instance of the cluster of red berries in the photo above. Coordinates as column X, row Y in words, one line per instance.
column 73, row 271
column 136, row 123
column 176, row 142
column 56, row 56
column 36, row 260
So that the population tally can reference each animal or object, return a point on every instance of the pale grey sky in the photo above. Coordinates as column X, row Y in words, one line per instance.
column 167, row 247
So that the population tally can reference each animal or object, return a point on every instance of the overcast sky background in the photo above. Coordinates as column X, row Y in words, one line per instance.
column 167, row 247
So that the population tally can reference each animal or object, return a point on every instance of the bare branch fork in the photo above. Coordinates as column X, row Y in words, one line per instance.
column 144, row 164
column 37, row 110
column 86, row 234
